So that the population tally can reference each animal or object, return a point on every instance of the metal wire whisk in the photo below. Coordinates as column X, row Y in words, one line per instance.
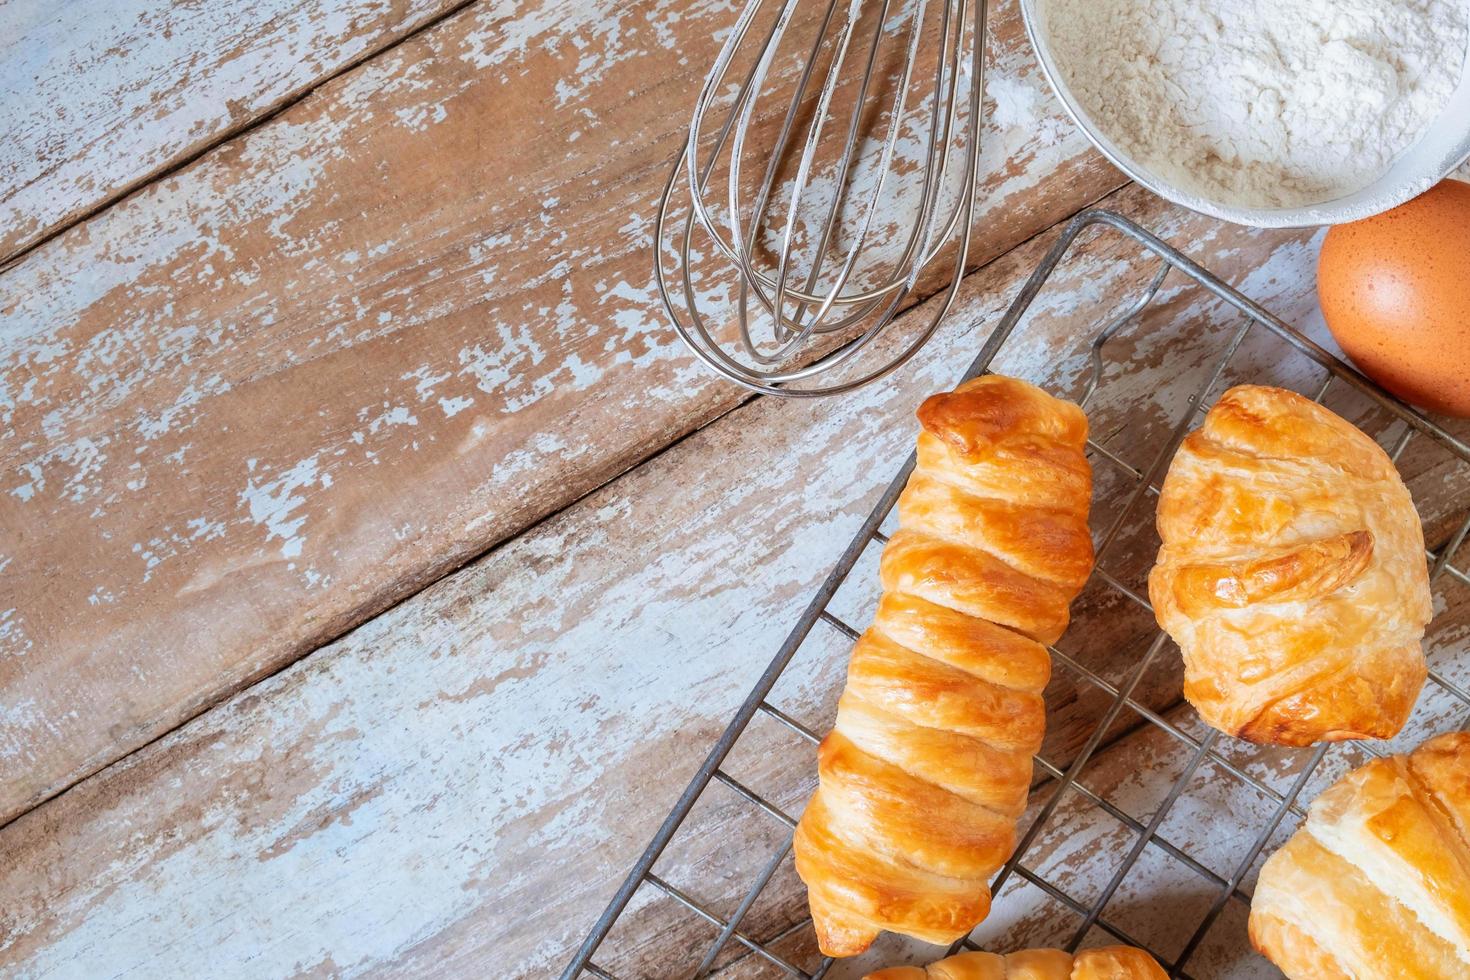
column 793, row 279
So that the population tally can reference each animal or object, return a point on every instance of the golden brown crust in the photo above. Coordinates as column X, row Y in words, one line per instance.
column 929, row 763
column 1038, row 964
column 1377, row 881
column 1106, row 963
column 974, row 582
column 1291, row 574
column 1291, row 945
column 985, row 412
column 1116, row 963
column 902, row 973
column 1313, row 570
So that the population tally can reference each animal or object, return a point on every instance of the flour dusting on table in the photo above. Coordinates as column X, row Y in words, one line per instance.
column 1264, row 103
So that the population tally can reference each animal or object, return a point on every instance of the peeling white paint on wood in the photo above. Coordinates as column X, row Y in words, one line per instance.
column 257, row 401
column 456, row 786
column 95, row 97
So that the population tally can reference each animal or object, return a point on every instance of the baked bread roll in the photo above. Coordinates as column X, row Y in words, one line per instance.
column 1106, row 963
column 1376, row 882
column 1292, row 574
column 929, row 763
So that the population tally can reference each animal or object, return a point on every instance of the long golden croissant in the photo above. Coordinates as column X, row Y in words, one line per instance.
column 1376, row 882
column 929, row 763
column 1104, row 963
column 1292, row 574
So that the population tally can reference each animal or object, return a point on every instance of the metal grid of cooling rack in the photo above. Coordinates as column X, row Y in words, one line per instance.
column 1144, row 484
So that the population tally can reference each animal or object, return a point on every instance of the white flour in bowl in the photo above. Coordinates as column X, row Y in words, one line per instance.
column 1261, row 103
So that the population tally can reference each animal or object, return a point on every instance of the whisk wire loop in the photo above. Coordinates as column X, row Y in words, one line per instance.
column 823, row 300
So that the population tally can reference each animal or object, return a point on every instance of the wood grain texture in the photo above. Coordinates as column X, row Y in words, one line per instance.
column 99, row 96
column 263, row 398
column 456, row 786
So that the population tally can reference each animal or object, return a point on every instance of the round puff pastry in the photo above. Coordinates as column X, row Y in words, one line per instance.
column 1376, row 882
column 1292, row 574
column 929, row 763
column 1105, row 963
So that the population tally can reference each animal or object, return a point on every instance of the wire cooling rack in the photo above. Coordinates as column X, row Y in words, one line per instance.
column 1219, row 751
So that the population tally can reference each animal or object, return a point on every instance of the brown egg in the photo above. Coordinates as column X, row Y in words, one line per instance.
column 1395, row 290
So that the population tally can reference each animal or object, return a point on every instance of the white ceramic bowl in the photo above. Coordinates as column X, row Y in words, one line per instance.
column 1438, row 153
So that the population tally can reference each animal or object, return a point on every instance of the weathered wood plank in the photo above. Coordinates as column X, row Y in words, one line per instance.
column 263, row 398
column 456, row 786
column 100, row 96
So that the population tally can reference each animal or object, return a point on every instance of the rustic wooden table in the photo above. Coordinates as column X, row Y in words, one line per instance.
column 375, row 565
